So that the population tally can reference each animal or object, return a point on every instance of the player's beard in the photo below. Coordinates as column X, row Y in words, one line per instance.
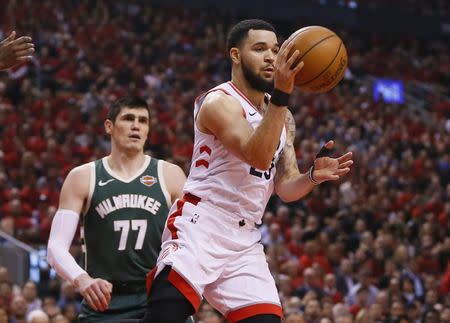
column 256, row 81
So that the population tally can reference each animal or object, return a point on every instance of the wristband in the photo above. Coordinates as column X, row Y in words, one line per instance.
column 279, row 98
column 311, row 177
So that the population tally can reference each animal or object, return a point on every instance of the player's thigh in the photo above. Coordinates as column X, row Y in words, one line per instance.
column 246, row 288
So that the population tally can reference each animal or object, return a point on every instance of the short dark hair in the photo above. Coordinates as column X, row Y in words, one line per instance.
column 240, row 31
column 132, row 102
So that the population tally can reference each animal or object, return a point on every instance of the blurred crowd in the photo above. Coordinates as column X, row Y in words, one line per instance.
column 373, row 248
column 431, row 8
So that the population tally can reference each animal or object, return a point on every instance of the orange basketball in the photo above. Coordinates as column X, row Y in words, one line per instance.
column 325, row 58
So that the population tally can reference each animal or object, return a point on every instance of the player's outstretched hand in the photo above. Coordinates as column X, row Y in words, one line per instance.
column 96, row 291
column 286, row 68
column 15, row 51
column 330, row 169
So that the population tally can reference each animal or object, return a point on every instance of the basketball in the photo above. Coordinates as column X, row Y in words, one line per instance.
column 324, row 55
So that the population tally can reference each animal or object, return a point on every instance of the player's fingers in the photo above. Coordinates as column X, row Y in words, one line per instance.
column 298, row 67
column 25, row 52
column 345, row 157
column 341, row 172
column 25, row 58
column 101, row 299
column 10, row 37
column 291, row 60
column 23, row 39
column 23, row 46
column 106, row 292
column 108, row 285
column 346, row 164
column 284, row 50
column 329, row 144
column 87, row 296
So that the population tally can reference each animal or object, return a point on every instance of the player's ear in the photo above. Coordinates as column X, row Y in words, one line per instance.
column 235, row 55
column 108, row 126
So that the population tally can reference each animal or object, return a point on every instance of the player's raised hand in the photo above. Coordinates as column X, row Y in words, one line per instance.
column 330, row 169
column 15, row 51
column 96, row 291
column 285, row 68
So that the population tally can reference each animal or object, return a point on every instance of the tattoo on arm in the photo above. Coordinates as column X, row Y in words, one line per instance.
column 287, row 164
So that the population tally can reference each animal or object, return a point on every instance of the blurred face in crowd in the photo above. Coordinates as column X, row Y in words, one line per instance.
column 70, row 312
column 256, row 56
column 375, row 311
column 413, row 312
column 431, row 297
column 431, row 317
column 346, row 267
column 397, row 309
column 3, row 316
column 330, row 281
column 344, row 319
column 60, row 319
column 19, row 307
column 4, row 275
column 29, row 291
column 445, row 315
column 312, row 309
column 5, row 290
column 295, row 318
column 130, row 129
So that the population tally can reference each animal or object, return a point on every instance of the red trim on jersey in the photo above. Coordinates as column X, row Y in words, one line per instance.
column 202, row 162
column 242, row 95
column 191, row 198
column 172, row 217
column 185, row 288
column 252, row 310
column 205, row 149
column 150, row 278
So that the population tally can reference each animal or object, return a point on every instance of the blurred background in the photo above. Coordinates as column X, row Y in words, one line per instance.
column 374, row 247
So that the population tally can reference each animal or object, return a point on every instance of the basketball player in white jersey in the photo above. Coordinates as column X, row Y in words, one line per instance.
column 243, row 152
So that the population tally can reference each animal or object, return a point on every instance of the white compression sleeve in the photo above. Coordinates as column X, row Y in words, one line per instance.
column 64, row 225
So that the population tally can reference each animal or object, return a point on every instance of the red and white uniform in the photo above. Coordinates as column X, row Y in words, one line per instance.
column 210, row 238
column 220, row 178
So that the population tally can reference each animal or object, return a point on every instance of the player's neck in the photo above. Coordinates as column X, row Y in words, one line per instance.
column 124, row 163
column 256, row 97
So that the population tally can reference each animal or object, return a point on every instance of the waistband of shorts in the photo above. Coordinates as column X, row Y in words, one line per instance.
column 236, row 221
column 128, row 287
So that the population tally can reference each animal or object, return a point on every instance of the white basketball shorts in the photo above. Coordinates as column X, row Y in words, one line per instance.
column 219, row 256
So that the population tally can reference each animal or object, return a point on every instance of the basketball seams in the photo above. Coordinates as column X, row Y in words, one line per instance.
column 320, row 41
column 326, row 68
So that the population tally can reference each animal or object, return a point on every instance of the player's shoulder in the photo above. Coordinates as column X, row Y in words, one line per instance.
column 170, row 168
column 81, row 171
column 219, row 98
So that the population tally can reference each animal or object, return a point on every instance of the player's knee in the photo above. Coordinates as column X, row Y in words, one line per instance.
column 262, row 318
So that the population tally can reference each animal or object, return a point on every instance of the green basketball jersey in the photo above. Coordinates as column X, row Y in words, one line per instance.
column 123, row 225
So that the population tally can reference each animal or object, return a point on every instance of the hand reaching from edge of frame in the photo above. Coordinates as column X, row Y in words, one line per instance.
column 15, row 51
column 330, row 169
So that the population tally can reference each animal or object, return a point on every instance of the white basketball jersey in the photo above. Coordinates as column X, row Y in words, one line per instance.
column 220, row 178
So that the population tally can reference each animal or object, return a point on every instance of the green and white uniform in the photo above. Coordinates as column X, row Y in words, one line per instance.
column 121, row 235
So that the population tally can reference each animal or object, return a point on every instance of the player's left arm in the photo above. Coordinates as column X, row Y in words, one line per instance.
column 290, row 184
column 174, row 178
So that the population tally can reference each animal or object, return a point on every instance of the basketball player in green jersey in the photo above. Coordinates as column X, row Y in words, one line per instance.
column 124, row 200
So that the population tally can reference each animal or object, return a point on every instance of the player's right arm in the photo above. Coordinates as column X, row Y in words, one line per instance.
column 74, row 192
column 221, row 115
